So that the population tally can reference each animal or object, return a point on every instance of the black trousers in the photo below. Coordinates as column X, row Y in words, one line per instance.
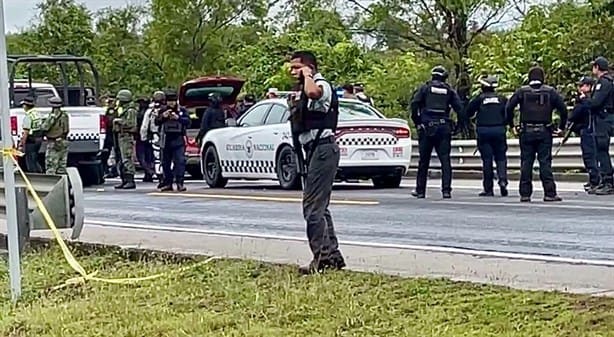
column 603, row 132
column 536, row 141
column 31, row 156
column 439, row 138
column 589, row 156
column 492, row 144
column 321, row 172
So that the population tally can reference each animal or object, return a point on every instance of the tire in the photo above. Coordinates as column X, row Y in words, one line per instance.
column 388, row 181
column 194, row 171
column 212, row 170
column 285, row 168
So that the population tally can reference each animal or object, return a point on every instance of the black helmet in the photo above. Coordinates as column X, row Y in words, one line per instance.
column 489, row 82
column 215, row 97
column 439, row 71
column 537, row 74
column 171, row 94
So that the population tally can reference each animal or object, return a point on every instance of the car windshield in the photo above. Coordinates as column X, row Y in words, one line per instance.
column 356, row 110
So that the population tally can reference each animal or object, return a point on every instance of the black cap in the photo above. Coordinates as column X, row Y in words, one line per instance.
column 586, row 80
column 601, row 63
column 537, row 74
column 250, row 98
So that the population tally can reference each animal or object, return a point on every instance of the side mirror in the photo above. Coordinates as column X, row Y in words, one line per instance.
column 231, row 122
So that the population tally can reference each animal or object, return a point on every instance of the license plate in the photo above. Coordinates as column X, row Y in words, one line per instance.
column 369, row 155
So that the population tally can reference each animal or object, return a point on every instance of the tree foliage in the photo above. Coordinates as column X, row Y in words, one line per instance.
column 169, row 41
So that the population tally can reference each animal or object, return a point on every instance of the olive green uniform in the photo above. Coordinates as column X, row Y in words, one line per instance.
column 56, row 128
column 125, row 125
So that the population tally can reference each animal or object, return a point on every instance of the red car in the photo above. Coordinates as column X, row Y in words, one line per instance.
column 193, row 95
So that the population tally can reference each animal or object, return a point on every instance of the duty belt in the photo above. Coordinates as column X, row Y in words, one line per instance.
column 436, row 123
column 324, row 140
column 536, row 125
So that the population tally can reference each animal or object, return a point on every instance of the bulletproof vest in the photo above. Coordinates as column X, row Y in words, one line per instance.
column 60, row 127
column 35, row 121
column 536, row 107
column 320, row 120
column 491, row 110
column 436, row 100
column 172, row 126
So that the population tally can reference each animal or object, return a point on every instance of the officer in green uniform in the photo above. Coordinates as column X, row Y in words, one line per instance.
column 56, row 128
column 31, row 136
column 125, row 125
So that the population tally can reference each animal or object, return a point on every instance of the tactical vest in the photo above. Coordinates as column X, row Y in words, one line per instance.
column 35, row 122
column 172, row 126
column 319, row 120
column 436, row 100
column 536, row 107
column 491, row 110
column 60, row 127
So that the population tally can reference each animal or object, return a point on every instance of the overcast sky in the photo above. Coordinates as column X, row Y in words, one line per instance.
column 18, row 13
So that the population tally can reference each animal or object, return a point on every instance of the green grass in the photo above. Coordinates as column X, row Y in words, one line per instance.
column 237, row 298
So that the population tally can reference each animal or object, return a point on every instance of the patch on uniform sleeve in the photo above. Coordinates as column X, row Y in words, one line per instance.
column 491, row 100
column 439, row 91
column 598, row 86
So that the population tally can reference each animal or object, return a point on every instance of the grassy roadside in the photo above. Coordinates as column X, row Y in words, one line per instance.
column 237, row 298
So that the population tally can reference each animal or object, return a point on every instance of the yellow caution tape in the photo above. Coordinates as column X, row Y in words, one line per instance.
column 70, row 258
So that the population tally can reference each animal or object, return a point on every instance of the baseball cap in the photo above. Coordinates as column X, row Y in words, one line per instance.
column 601, row 62
column 586, row 80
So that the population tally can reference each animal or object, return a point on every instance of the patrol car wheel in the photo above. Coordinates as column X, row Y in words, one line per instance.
column 212, row 169
column 286, row 169
column 194, row 171
column 387, row 181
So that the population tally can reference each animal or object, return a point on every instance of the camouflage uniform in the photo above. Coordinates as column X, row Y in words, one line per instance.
column 56, row 128
column 125, row 125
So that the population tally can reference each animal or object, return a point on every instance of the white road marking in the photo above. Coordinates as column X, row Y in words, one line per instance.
column 437, row 249
column 530, row 205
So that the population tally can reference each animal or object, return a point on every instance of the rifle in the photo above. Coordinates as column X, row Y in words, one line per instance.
column 565, row 138
column 297, row 109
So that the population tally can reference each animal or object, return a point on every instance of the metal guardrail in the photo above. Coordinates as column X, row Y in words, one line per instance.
column 463, row 157
column 62, row 196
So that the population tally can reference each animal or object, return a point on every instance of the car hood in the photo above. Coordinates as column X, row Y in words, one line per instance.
column 190, row 96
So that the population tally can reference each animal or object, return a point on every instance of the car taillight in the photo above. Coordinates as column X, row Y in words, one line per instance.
column 14, row 125
column 102, row 124
column 401, row 133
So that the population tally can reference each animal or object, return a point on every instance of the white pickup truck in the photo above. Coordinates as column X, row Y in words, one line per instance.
column 87, row 125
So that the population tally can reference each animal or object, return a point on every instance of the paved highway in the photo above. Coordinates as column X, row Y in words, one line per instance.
column 580, row 228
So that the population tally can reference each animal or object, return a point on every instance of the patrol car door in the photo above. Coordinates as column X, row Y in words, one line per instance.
column 248, row 140
column 276, row 128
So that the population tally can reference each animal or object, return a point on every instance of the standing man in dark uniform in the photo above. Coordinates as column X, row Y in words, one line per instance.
column 144, row 151
column 537, row 101
column 602, row 109
column 173, row 122
column 213, row 118
column 582, row 120
column 430, row 112
column 316, row 125
column 489, row 110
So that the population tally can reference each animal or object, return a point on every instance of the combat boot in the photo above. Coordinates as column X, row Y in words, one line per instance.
column 181, row 187
column 121, row 186
column 148, row 178
column 606, row 189
column 160, row 181
column 486, row 194
column 130, row 185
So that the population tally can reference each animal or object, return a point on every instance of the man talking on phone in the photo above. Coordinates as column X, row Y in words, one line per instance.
column 316, row 125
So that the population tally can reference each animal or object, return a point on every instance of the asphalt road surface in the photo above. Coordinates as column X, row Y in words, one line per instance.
column 581, row 227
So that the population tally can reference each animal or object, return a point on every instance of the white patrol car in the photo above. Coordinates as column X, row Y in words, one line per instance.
column 260, row 146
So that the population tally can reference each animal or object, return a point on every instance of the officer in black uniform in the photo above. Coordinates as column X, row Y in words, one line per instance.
column 602, row 109
column 430, row 112
column 537, row 101
column 583, row 125
column 173, row 122
column 213, row 118
column 488, row 109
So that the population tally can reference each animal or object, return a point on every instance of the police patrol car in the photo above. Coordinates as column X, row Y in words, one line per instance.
column 260, row 146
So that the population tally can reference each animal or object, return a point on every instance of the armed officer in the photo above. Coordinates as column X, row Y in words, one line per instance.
column 31, row 136
column 537, row 101
column 213, row 118
column 150, row 132
column 125, row 127
column 315, row 127
column 110, row 140
column 602, row 108
column 488, row 109
column 173, row 122
column 430, row 112
column 56, row 128
column 582, row 123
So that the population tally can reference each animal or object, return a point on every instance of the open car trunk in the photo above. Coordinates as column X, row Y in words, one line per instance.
column 194, row 96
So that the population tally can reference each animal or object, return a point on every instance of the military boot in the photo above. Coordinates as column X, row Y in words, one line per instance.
column 605, row 189
column 130, row 185
column 121, row 186
column 148, row 178
column 181, row 187
column 486, row 194
column 160, row 181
